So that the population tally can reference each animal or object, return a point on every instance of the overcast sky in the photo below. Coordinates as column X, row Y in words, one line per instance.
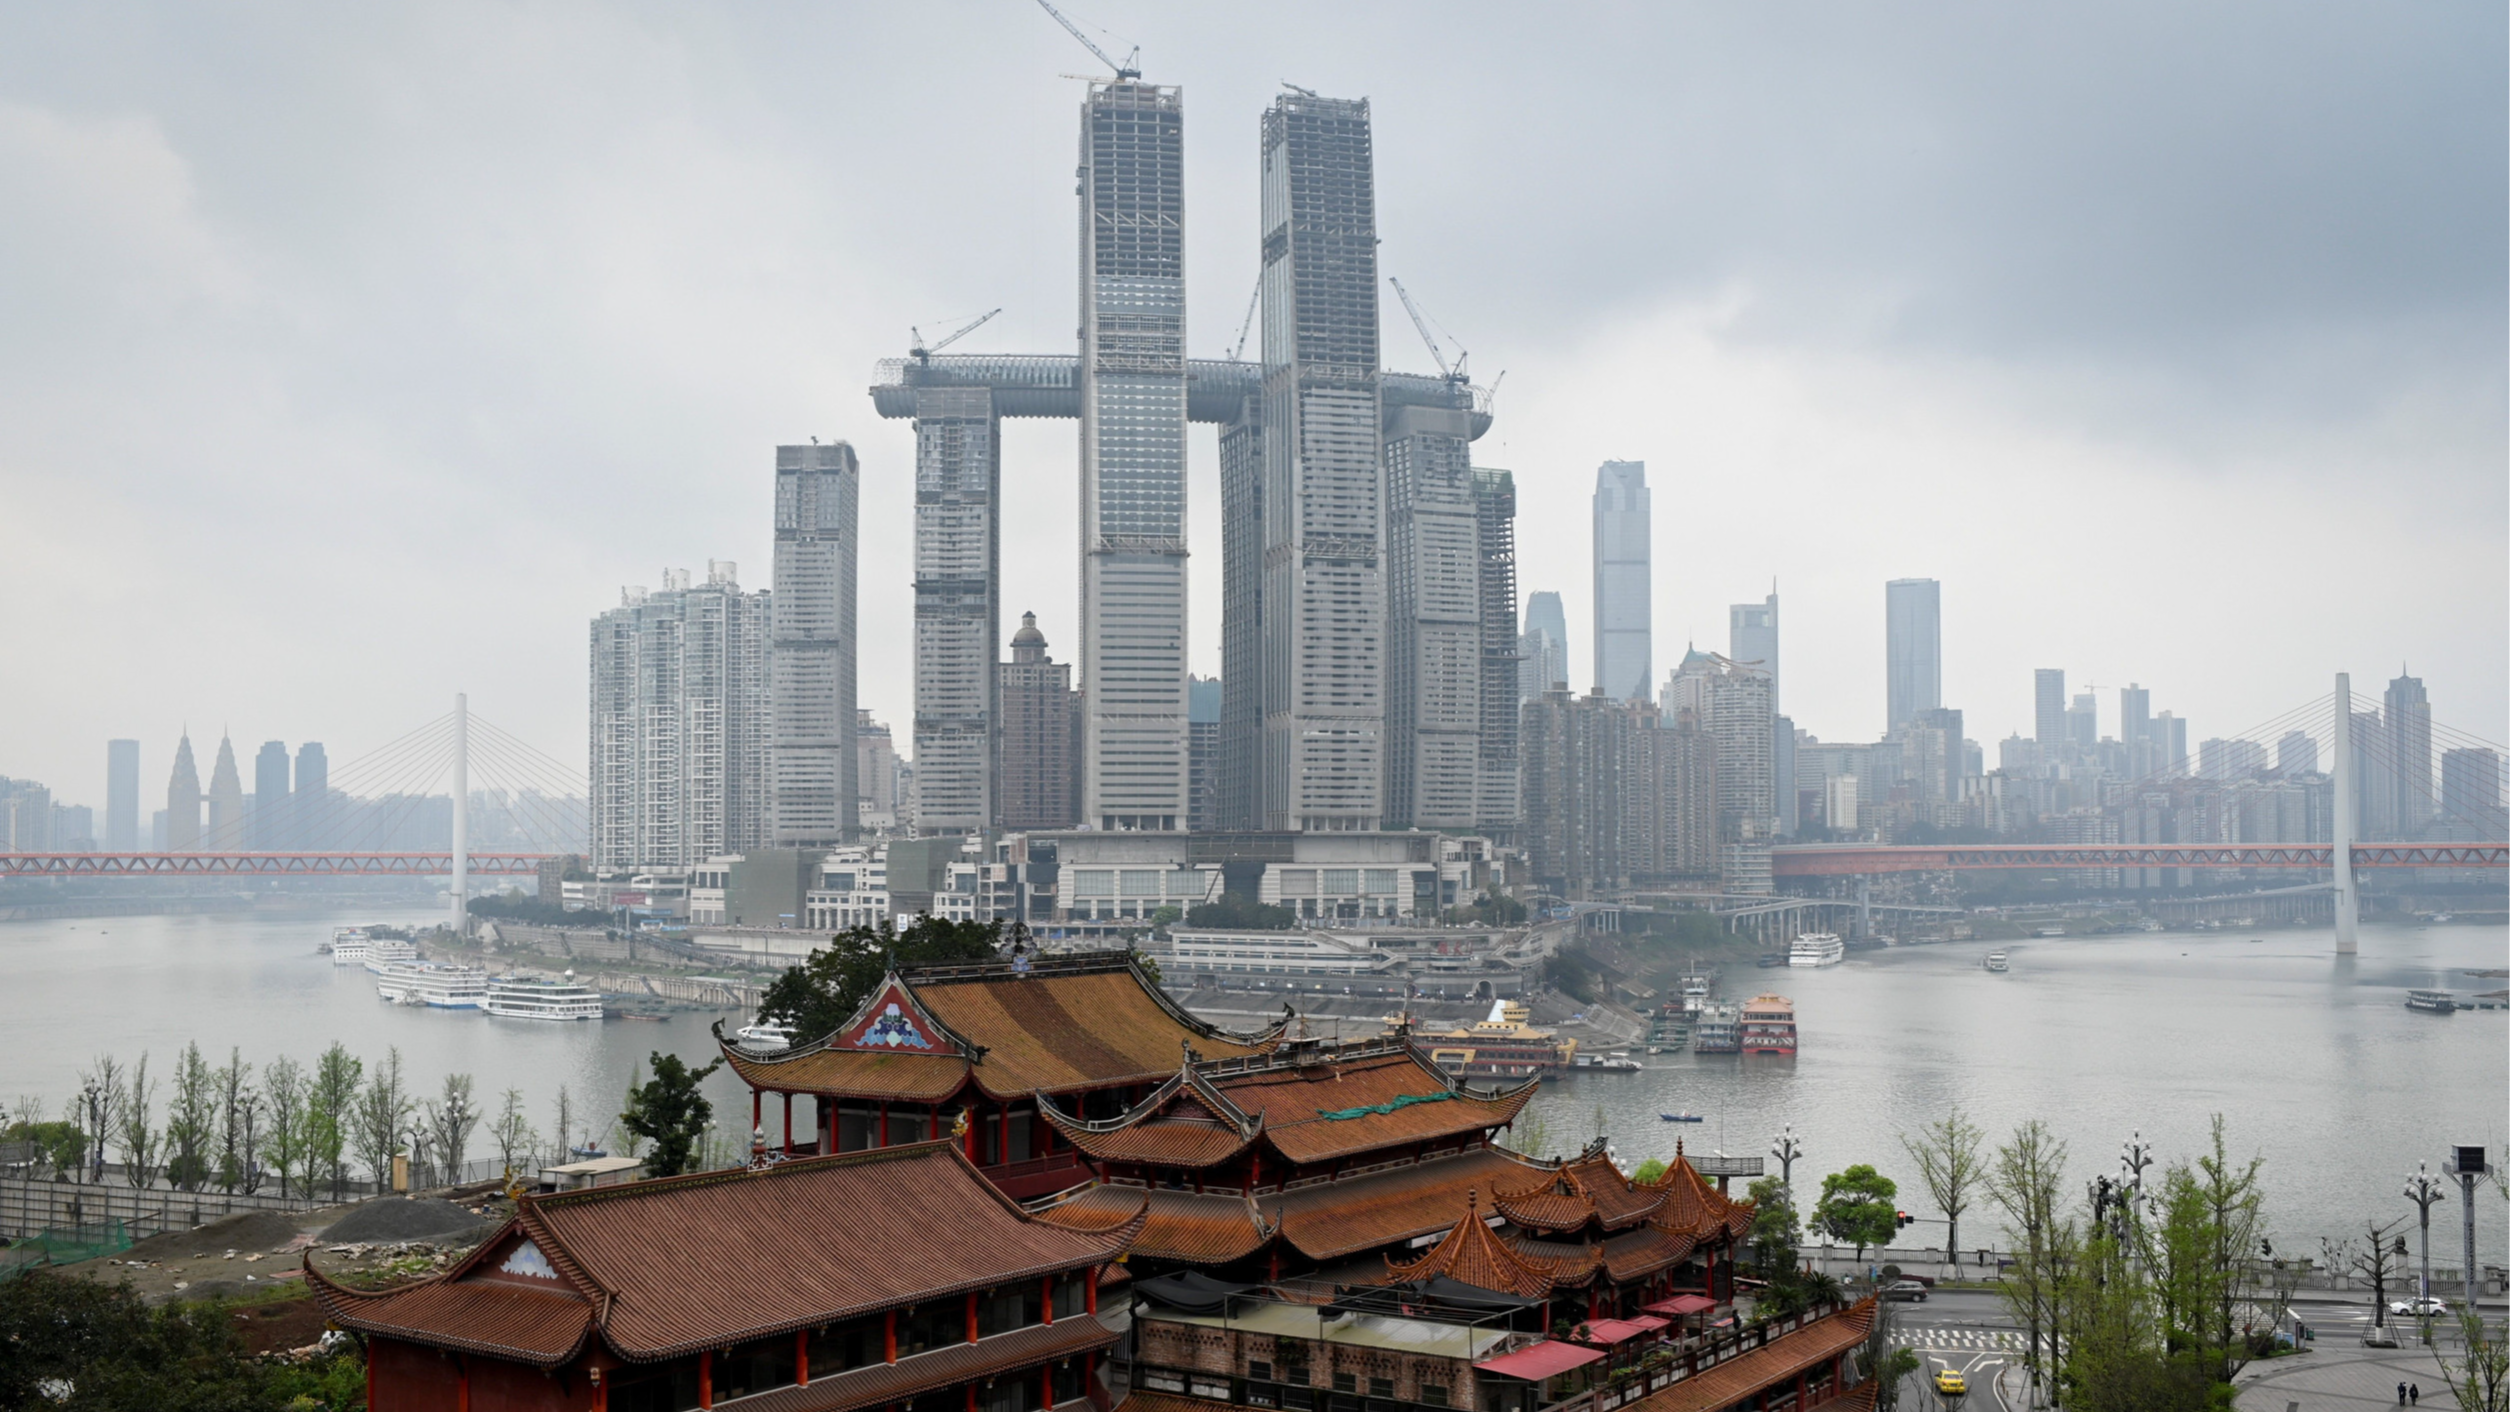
column 354, row 355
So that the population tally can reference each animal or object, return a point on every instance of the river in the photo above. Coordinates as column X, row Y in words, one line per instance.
column 2315, row 1061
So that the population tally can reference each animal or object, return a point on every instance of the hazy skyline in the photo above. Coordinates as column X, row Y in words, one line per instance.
column 354, row 359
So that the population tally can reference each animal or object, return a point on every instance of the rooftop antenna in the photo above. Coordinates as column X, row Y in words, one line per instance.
column 923, row 354
column 1454, row 372
column 1129, row 69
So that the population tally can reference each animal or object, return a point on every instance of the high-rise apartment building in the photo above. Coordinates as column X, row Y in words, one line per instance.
column 1730, row 703
column 2470, row 795
column 958, row 603
column 2048, row 706
column 1494, row 512
column 883, row 799
column 1433, row 619
column 1132, row 383
column 1325, row 631
column 26, row 817
column 1036, row 746
column 309, row 803
column 1244, row 661
column 2374, row 784
column 122, row 795
column 2221, row 759
column 1544, row 646
column 2083, row 722
column 679, row 702
column 1203, row 696
column 1624, row 585
column 268, row 827
column 1913, row 647
column 813, row 794
column 2170, row 743
column 1614, row 795
column 2135, row 717
column 225, row 830
column 1752, row 640
column 2296, row 754
column 2407, row 713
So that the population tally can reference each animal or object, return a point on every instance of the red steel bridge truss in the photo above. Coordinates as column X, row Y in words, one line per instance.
column 1849, row 860
column 262, row 865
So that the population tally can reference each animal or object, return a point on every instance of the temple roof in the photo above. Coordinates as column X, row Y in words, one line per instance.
column 1693, row 1205
column 662, row 1268
column 1472, row 1253
column 1585, row 1191
column 1775, row 1363
column 1060, row 1024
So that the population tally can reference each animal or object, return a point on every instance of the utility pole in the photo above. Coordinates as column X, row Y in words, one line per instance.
column 2423, row 1189
column 2468, row 1164
column 2348, row 902
column 461, row 815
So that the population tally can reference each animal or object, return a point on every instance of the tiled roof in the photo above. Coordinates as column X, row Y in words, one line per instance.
column 884, row 1383
column 667, row 1267
column 1292, row 1099
column 1334, row 1219
column 1586, row 1189
column 1081, row 1023
column 543, row 1328
column 1181, row 1225
column 1185, row 1122
column 1634, row 1255
column 1693, row 1205
column 1171, row 1402
column 1773, row 1363
column 846, row 1073
column 1475, row 1255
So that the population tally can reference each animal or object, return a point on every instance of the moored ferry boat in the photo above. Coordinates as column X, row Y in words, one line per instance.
column 1996, row 962
column 436, row 986
column 1817, row 949
column 1768, row 1025
column 535, row 998
column 383, row 953
column 1500, row 1047
column 348, row 946
column 1720, row 1030
column 2431, row 1002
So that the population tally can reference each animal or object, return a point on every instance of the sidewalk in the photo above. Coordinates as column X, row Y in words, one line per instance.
column 2341, row 1376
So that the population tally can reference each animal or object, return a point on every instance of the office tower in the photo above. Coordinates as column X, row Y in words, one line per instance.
column 122, row 796
column 1931, row 760
column 2296, row 754
column 225, row 832
column 2083, row 722
column 2221, row 759
column 25, row 817
column 2135, row 716
column 1544, row 646
column 183, row 801
column 1202, row 722
column 2374, row 784
column 1623, row 586
column 1324, row 589
column 1036, row 745
column 2170, row 743
column 1730, row 703
column 2470, row 795
column 310, row 807
column 2408, row 715
column 1752, row 639
column 1132, row 383
column 2048, row 700
column 1243, row 669
column 812, row 791
column 1782, row 762
column 266, row 827
column 73, row 828
column 1913, row 632
column 679, row 722
column 1839, row 804
column 958, row 603
column 1433, row 618
column 1494, row 512
column 876, row 773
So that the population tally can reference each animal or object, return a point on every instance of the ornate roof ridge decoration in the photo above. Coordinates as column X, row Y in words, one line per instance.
column 1566, row 1199
column 1472, row 1253
column 1086, row 963
column 1692, row 1204
column 1189, row 1077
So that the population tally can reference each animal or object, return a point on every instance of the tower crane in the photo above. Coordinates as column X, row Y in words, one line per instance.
column 922, row 354
column 1130, row 68
column 1248, row 325
column 1454, row 373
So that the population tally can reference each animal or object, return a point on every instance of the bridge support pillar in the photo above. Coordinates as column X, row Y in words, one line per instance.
column 461, row 815
column 1864, row 907
column 2347, row 820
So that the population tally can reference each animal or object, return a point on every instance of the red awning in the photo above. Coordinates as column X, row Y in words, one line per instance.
column 1604, row 1333
column 1539, row 1361
column 1651, row 1322
column 1682, row 1304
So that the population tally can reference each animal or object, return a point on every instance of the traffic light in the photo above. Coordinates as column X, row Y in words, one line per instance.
column 1905, row 1219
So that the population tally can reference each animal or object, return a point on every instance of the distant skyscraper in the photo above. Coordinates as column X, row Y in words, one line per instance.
column 2296, row 754
column 2170, row 739
column 679, row 723
column 876, row 773
column 2223, row 759
column 1752, row 639
column 1132, row 384
column 1244, row 533
column 1202, row 716
column 1433, row 618
column 2470, row 795
column 225, row 833
column 266, row 827
column 1624, row 585
column 2374, row 784
column 1036, row 746
column 1730, row 704
column 122, row 796
column 2135, row 716
column 2083, row 722
column 958, row 603
column 1913, row 622
column 2048, row 702
column 813, row 794
column 2407, row 713
column 1325, row 584
column 1494, row 501
column 310, row 811
column 1544, row 646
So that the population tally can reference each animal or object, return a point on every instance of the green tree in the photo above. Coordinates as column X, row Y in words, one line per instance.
column 191, row 1120
column 1856, row 1207
column 2480, row 1375
column 239, row 1108
column 1951, row 1165
column 330, row 1105
column 114, row 1352
column 2203, row 1253
column 1237, row 912
column 818, row 996
column 60, row 1145
column 1774, row 1228
column 379, row 1116
column 2025, row 1179
column 2117, row 1353
column 669, row 1111
column 283, row 1085
column 141, row 1142
column 1650, row 1172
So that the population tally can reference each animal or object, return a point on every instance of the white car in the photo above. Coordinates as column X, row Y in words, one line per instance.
column 2425, row 1308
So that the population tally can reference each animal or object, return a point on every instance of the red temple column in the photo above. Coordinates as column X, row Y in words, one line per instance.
column 971, row 1316
column 884, row 1126
column 1089, row 1291
column 889, row 1336
column 462, row 1384
column 802, row 1357
column 1049, row 1283
column 706, row 1379
column 788, row 1125
column 758, row 1113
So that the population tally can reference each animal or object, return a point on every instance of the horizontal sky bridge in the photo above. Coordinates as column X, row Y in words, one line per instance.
column 263, row 865
column 1848, row 860
column 1049, row 385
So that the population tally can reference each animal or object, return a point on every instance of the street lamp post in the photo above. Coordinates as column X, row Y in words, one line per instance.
column 2423, row 1189
column 1786, row 1149
column 2468, row 1164
column 2134, row 1155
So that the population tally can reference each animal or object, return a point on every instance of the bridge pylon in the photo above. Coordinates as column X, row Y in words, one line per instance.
column 2347, row 823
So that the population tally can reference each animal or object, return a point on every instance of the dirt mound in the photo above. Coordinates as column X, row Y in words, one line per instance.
column 395, row 1218
column 246, row 1232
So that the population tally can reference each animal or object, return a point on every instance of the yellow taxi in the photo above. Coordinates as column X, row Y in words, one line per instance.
column 1950, row 1383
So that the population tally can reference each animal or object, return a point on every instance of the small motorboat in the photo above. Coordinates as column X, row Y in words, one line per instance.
column 1682, row 1117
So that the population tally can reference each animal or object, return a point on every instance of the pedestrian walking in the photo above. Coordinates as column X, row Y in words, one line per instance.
column 2400, row 1394
column 2414, row 1394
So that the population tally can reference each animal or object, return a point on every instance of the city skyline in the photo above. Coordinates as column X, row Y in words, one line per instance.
column 1754, row 404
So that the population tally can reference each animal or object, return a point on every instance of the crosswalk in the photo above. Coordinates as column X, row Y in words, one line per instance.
column 1924, row 1338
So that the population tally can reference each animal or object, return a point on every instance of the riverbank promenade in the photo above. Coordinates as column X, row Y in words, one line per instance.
column 2341, row 1377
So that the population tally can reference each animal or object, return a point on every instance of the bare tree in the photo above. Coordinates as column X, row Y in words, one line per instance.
column 236, row 1105
column 382, row 1110
column 512, row 1132
column 1950, row 1163
column 566, row 1124
column 2024, row 1179
column 450, row 1119
column 100, row 1094
column 140, row 1140
column 2372, row 1261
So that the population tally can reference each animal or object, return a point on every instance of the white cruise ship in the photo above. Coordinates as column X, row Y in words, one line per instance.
column 531, row 998
column 1817, row 949
column 383, row 955
column 426, row 983
column 348, row 946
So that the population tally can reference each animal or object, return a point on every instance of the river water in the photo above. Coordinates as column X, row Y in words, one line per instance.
column 2314, row 1060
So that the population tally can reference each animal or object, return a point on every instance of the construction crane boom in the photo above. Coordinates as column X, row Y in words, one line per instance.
column 923, row 354
column 1247, row 326
column 1128, row 69
column 1454, row 372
